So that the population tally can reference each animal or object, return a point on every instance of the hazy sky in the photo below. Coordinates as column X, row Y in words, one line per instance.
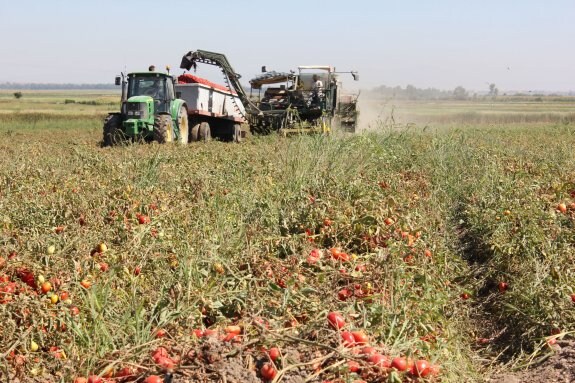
column 516, row 44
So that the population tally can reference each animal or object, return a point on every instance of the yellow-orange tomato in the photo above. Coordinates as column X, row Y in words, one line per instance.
column 46, row 287
column 562, row 208
column 236, row 330
column 86, row 284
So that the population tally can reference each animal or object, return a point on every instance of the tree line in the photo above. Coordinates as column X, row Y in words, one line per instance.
column 35, row 86
column 411, row 92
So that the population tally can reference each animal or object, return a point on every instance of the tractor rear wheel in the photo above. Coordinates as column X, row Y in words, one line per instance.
column 163, row 129
column 183, row 125
column 113, row 134
column 237, row 137
column 205, row 132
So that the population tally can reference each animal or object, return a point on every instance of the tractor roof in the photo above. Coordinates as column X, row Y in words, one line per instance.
column 149, row 74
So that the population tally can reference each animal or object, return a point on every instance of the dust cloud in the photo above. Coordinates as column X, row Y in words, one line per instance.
column 378, row 114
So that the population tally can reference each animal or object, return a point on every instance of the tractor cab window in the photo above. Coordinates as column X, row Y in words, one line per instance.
column 154, row 86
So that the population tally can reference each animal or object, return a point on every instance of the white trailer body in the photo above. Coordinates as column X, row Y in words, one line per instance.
column 211, row 102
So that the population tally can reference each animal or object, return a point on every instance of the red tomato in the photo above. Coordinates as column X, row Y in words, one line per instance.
column 268, row 371
column 104, row 267
column 399, row 363
column 94, row 379
column 464, row 296
column 335, row 252
column 420, row 368
column 74, row 310
column 154, row 379
column 379, row 360
column 198, row 333
column 160, row 351
column 368, row 351
column 360, row 337
column 143, row 219
column 160, row 333
column 314, row 256
column 236, row 330
column 336, row 320
column 502, row 286
column 353, row 366
column 344, row 257
column 343, row 294
column 165, row 362
column 274, row 353
column 124, row 372
column 348, row 339
column 573, row 298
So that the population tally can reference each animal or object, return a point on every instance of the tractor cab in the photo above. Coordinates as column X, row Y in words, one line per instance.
column 158, row 86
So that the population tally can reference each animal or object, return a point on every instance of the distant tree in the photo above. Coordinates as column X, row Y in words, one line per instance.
column 17, row 95
column 460, row 93
column 493, row 91
column 411, row 92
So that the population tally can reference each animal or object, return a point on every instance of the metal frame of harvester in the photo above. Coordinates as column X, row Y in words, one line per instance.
column 287, row 104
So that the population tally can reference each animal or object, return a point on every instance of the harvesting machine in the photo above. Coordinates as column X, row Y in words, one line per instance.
column 288, row 104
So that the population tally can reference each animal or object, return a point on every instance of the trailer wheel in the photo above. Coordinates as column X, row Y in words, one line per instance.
column 163, row 129
column 113, row 134
column 183, row 125
column 195, row 132
column 237, row 133
column 205, row 133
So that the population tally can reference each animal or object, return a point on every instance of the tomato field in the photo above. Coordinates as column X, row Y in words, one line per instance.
column 392, row 255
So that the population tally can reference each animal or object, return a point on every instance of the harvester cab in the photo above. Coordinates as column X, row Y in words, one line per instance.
column 150, row 110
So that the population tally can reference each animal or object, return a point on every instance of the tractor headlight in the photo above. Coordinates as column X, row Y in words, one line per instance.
column 137, row 110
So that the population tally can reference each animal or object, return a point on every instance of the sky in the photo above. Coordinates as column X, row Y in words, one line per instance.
column 516, row 44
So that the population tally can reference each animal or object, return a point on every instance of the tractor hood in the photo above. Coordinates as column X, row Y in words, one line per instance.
column 140, row 99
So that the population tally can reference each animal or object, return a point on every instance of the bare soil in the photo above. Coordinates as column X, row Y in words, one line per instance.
column 559, row 366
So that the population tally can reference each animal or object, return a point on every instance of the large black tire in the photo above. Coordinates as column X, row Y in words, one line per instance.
column 183, row 125
column 237, row 135
column 163, row 129
column 113, row 134
column 205, row 132
column 195, row 132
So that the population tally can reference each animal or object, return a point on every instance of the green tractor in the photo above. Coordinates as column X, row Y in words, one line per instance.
column 150, row 111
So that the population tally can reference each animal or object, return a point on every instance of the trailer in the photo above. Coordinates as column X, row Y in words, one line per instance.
column 213, row 109
column 158, row 107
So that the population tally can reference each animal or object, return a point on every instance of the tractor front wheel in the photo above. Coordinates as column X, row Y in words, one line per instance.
column 113, row 134
column 183, row 125
column 163, row 129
